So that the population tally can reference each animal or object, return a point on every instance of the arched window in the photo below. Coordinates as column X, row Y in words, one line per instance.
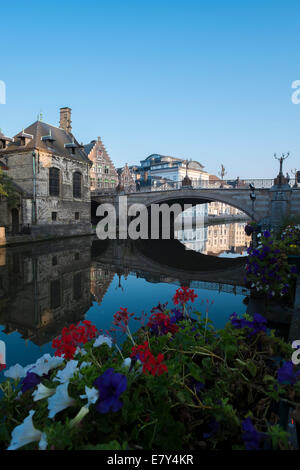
column 77, row 184
column 54, row 182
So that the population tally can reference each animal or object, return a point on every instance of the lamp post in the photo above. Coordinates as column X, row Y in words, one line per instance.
column 295, row 173
column 252, row 196
column 186, row 182
column 222, row 173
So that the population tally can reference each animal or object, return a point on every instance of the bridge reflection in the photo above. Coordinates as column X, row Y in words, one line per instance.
column 46, row 286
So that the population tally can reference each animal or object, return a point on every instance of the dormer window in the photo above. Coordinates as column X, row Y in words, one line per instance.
column 48, row 138
column 24, row 138
column 72, row 146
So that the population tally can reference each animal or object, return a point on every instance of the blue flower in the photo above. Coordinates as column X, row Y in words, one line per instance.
column 259, row 323
column 266, row 234
column 110, row 385
column 30, row 381
column 251, row 436
column 287, row 374
column 238, row 322
column 177, row 315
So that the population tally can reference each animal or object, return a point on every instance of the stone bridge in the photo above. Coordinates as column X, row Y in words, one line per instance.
column 269, row 207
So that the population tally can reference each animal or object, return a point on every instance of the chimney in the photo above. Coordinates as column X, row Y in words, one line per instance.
column 65, row 119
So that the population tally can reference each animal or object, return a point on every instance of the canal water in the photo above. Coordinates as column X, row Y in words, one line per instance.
column 46, row 286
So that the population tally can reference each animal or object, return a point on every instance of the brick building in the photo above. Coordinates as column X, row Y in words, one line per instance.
column 103, row 174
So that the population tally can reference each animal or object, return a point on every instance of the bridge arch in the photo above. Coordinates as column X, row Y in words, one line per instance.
column 195, row 200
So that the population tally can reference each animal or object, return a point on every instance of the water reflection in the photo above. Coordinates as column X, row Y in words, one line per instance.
column 223, row 240
column 46, row 286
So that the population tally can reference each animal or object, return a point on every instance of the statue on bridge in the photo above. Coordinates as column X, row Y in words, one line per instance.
column 281, row 179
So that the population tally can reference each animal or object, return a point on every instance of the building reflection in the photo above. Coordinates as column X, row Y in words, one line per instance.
column 45, row 287
column 101, row 279
column 216, row 239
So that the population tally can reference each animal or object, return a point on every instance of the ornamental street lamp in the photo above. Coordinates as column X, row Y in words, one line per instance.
column 186, row 180
column 252, row 196
column 295, row 173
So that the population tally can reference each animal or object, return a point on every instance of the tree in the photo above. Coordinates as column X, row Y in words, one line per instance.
column 7, row 189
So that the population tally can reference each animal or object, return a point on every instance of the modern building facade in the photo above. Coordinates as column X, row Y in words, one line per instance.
column 173, row 169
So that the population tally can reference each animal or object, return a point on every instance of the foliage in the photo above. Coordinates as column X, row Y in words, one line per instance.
column 267, row 268
column 7, row 189
column 189, row 387
column 290, row 239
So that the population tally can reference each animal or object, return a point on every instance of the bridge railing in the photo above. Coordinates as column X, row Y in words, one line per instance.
column 266, row 183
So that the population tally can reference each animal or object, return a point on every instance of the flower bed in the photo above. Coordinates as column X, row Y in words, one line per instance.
column 290, row 239
column 268, row 271
column 177, row 383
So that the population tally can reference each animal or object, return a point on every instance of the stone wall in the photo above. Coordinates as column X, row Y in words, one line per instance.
column 21, row 170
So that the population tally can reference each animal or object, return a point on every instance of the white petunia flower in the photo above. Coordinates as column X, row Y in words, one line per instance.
column 85, row 364
column 42, row 392
column 15, row 372
column 102, row 339
column 26, row 433
column 46, row 363
column 127, row 362
column 91, row 394
column 67, row 373
column 80, row 351
column 60, row 400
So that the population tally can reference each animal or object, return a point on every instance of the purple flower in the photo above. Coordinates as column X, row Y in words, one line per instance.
column 177, row 315
column 266, row 234
column 110, row 385
column 259, row 323
column 238, row 322
column 287, row 374
column 30, row 381
column 251, row 436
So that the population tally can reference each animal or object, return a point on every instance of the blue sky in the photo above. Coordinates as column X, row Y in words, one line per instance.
column 207, row 80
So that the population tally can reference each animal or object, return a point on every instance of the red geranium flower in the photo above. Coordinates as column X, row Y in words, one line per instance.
column 184, row 295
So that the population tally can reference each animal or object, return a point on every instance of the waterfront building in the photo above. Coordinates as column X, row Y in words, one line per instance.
column 172, row 168
column 126, row 178
column 51, row 168
column 103, row 174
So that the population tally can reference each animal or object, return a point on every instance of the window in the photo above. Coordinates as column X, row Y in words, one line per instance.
column 54, row 216
column 54, row 261
column 77, row 184
column 77, row 286
column 55, row 300
column 54, row 182
column 76, row 215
